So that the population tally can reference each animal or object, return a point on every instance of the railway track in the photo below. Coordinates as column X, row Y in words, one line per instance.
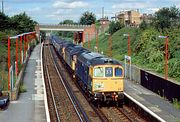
column 125, row 114
column 94, row 113
column 62, row 104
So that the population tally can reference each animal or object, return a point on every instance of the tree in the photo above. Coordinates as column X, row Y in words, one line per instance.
column 165, row 17
column 87, row 18
column 67, row 21
column 66, row 33
column 4, row 20
column 23, row 23
column 143, row 25
column 115, row 26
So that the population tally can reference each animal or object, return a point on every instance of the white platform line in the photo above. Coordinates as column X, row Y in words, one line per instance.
column 45, row 96
column 145, row 108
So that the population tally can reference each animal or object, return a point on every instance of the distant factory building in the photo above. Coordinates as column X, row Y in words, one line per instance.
column 130, row 18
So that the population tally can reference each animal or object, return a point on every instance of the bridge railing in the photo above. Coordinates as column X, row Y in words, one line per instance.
column 64, row 25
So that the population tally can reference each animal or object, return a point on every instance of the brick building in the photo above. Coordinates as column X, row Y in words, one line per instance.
column 131, row 18
column 104, row 24
column 89, row 33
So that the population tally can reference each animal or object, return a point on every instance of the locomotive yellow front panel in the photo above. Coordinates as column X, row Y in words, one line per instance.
column 108, row 85
column 108, row 78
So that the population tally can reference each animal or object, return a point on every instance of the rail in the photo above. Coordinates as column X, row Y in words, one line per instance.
column 144, row 108
column 71, row 95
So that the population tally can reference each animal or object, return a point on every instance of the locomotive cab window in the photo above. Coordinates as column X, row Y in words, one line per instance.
column 118, row 72
column 108, row 71
column 99, row 72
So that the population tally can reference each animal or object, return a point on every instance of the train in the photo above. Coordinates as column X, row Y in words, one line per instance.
column 101, row 77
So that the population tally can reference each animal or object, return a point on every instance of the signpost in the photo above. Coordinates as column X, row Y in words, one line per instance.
column 127, row 61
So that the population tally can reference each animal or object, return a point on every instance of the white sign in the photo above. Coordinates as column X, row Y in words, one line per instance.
column 127, row 57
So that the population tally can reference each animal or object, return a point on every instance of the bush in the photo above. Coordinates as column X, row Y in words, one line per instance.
column 22, row 88
column 176, row 103
column 115, row 26
column 143, row 25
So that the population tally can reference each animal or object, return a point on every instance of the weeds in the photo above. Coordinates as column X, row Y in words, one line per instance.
column 176, row 103
column 22, row 88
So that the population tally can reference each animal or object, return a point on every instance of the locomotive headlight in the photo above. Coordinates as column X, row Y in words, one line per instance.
column 74, row 58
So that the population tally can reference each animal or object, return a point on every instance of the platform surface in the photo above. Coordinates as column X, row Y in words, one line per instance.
column 30, row 106
column 152, row 101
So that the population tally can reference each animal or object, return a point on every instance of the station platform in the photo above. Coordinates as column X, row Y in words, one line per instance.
column 159, row 106
column 30, row 107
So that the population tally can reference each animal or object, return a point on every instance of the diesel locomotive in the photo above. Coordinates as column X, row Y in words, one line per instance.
column 99, row 76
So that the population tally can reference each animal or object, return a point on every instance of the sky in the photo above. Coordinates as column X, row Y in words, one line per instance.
column 55, row 11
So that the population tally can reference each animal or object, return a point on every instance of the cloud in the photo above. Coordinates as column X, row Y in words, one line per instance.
column 70, row 5
column 152, row 10
column 54, row 11
column 129, row 5
column 28, row 1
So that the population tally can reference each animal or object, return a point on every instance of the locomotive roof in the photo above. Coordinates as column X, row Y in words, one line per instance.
column 79, row 51
column 104, row 60
column 66, row 43
column 76, row 50
column 91, row 55
column 96, row 59
column 88, row 57
column 56, row 39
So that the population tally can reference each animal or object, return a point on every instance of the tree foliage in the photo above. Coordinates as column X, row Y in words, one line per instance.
column 20, row 23
column 166, row 18
column 115, row 26
column 66, row 33
column 88, row 18
column 67, row 21
column 143, row 25
column 148, row 45
column 23, row 23
column 4, row 20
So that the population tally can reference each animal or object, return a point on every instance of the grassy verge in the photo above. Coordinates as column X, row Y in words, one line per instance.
column 176, row 104
column 22, row 88
column 147, row 50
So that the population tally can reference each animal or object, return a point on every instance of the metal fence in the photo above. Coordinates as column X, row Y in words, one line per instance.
column 162, row 87
column 15, row 52
column 165, row 88
column 132, row 72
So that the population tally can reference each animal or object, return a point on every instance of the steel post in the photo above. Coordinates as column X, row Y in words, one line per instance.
column 9, row 62
column 166, row 58
column 17, row 56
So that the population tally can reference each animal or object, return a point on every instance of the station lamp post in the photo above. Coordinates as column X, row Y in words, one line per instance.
column 129, row 44
column 89, row 45
column 128, row 58
column 109, row 44
column 97, row 40
column 166, row 55
column 9, row 62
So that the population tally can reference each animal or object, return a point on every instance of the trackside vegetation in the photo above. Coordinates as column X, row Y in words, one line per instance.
column 11, row 26
column 147, row 50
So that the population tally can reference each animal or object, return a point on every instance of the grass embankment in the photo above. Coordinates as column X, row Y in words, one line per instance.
column 147, row 50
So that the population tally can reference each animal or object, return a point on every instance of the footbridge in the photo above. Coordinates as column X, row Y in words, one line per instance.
column 82, row 33
column 63, row 27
